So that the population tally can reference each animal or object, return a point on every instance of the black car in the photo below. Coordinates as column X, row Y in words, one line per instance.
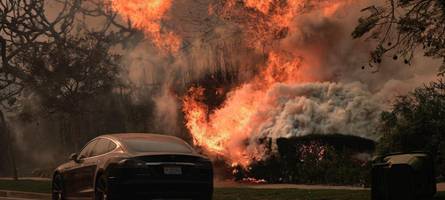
column 134, row 166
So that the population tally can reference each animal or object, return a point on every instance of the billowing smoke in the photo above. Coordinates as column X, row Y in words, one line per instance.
column 237, row 130
column 325, row 108
column 298, row 70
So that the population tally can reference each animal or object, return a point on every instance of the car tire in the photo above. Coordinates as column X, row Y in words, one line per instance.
column 57, row 188
column 101, row 191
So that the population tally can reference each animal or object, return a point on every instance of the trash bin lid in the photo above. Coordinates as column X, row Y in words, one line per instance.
column 415, row 160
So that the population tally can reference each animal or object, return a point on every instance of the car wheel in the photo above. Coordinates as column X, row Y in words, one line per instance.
column 58, row 192
column 101, row 191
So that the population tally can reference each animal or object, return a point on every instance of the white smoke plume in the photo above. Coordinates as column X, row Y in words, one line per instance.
column 323, row 108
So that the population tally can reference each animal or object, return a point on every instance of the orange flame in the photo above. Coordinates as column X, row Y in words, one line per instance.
column 272, row 17
column 147, row 15
column 261, row 5
column 228, row 131
column 220, row 132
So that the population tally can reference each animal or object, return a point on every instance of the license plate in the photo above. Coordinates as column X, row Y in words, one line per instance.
column 172, row 170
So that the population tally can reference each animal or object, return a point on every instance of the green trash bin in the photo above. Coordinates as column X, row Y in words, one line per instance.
column 408, row 176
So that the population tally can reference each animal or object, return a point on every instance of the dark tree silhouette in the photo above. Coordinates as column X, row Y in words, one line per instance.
column 4, row 129
column 48, row 50
column 23, row 23
column 64, row 75
column 416, row 122
column 26, row 24
column 402, row 27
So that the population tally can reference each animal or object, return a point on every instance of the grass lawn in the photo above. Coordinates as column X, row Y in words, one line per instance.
column 288, row 194
column 26, row 186
column 229, row 193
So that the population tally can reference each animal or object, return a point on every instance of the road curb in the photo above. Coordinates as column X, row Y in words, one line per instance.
column 27, row 195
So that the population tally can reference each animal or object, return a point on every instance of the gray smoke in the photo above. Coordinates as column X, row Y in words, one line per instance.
column 323, row 108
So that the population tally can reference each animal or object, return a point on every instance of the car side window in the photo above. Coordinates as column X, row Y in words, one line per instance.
column 87, row 150
column 103, row 146
column 111, row 146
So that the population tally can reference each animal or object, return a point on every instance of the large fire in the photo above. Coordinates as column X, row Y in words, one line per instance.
column 278, row 100
column 221, row 132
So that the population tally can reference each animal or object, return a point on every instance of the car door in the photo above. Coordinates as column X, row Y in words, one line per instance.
column 74, row 176
column 89, row 166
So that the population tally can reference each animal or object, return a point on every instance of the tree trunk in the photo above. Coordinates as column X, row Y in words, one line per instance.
column 4, row 128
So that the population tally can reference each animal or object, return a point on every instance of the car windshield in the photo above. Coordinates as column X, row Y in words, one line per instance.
column 145, row 145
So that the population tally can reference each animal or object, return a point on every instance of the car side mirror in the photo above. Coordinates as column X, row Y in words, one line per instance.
column 73, row 157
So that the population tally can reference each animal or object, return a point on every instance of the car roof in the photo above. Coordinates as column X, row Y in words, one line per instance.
column 147, row 136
